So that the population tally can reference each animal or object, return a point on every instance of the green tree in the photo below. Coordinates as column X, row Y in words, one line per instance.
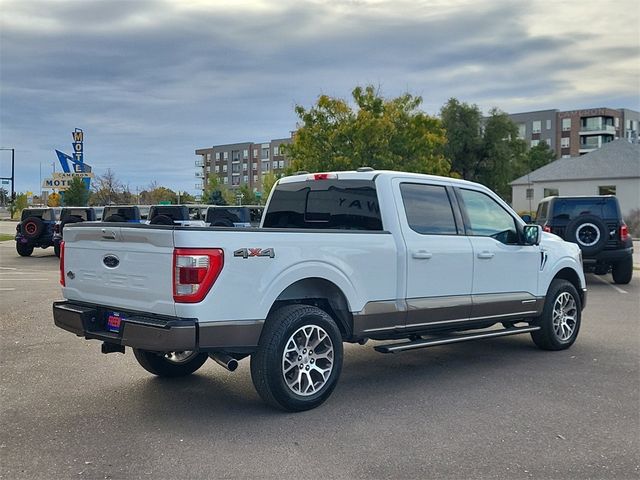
column 537, row 157
column 248, row 197
column 390, row 134
column 268, row 181
column 154, row 194
column 463, row 125
column 503, row 153
column 77, row 195
column 213, row 194
column 19, row 204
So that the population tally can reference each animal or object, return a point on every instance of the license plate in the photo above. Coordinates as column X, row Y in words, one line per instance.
column 114, row 320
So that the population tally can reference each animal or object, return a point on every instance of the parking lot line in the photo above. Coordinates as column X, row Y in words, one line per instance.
column 7, row 289
column 602, row 280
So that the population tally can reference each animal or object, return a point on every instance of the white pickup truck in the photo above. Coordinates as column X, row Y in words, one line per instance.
column 410, row 260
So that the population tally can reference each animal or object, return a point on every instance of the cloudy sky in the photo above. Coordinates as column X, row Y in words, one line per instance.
column 149, row 81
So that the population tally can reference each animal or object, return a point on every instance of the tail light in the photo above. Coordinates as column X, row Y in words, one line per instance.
column 62, row 264
column 18, row 228
column 624, row 232
column 195, row 270
column 546, row 228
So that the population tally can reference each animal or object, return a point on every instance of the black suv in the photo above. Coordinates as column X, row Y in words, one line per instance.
column 71, row 215
column 596, row 225
column 121, row 213
column 35, row 230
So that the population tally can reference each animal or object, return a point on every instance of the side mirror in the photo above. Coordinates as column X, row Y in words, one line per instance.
column 526, row 218
column 532, row 234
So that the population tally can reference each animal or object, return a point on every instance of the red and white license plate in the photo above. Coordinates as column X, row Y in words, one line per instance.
column 114, row 320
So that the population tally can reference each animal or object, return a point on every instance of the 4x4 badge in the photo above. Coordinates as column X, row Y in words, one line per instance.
column 255, row 252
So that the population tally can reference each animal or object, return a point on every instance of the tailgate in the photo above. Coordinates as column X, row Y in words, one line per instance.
column 129, row 268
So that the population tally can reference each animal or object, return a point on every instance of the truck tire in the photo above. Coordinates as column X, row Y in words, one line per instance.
column 299, row 358
column 622, row 271
column 560, row 319
column 24, row 250
column 170, row 364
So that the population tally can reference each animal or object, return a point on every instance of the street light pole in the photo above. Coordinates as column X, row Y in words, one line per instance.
column 13, row 171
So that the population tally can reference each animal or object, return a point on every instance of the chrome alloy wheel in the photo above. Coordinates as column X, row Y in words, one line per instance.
column 565, row 312
column 307, row 360
column 180, row 357
column 588, row 234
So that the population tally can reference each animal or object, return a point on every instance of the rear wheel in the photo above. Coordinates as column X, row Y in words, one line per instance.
column 24, row 250
column 170, row 364
column 299, row 358
column 560, row 319
column 623, row 270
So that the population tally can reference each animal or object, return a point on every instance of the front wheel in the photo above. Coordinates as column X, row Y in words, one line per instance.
column 24, row 250
column 560, row 319
column 623, row 271
column 170, row 364
column 299, row 358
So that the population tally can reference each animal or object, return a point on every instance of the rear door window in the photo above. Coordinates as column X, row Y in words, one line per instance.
column 326, row 205
column 428, row 209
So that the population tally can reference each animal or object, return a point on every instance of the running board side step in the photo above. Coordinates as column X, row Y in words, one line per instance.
column 434, row 342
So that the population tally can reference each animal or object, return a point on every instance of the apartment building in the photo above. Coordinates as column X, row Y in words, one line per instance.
column 577, row 132
column 237, row 164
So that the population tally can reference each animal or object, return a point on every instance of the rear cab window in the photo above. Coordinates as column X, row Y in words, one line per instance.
column 44, row 214
column 331, row 204
column 130, row 214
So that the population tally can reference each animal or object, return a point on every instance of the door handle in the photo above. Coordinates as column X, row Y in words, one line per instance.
column 422, row 255
column 486, row 255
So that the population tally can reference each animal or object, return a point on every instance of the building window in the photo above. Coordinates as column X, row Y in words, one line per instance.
column 235, row 181
column 566, row 124
column 534, row 143
column 522, row 131
column 217, row 155
column 245, row 167
column 537, row 126
column 255, row 153
column 548, row 124
column 281, row 164
column 529, row 193
column 265, row 166
column 551, row 192
column 235, row 155
column 225, row 155
column 208, row 157
column 254, row 166
column 566, row 156
column 245, row 154
column 617, row 122
column 564, row 142
column 224, row 167
column 245, row 179
column 225, row 180
column 607, row 190
column 217, row 168
column 276, row 151
column 235, row 168
column 265, row 152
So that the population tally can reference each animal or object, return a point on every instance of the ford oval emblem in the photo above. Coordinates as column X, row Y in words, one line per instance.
column 111, row 261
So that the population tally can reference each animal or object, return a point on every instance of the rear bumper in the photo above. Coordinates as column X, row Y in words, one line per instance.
column 609, row 256
column 156, row 333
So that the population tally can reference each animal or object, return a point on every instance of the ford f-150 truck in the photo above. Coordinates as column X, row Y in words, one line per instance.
column 408, row 260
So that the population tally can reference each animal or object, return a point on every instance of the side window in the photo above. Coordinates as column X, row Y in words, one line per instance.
column 541, row 215
column 428, row 209
column 487, row 218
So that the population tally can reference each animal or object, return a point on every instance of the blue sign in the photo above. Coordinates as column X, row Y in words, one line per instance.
column 75, row 163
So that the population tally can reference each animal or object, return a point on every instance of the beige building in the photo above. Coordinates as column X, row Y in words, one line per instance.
column 613, row 169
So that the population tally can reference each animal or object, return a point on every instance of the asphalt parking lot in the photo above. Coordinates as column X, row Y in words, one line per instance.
column 497, row 408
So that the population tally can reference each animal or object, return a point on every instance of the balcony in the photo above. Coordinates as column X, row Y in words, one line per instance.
column 199, row 163
column 598, row 130
column 198, row 186
column 200, row 174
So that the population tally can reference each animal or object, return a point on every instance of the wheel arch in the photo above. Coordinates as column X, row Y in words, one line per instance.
column 571, row 276
column 323, row 294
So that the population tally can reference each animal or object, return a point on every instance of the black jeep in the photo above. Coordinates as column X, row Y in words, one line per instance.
column 70, row 215
column 35, row 230
column 595, row 224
